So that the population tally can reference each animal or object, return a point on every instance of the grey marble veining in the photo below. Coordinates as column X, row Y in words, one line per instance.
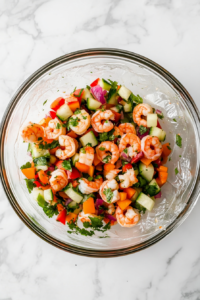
column 31, row 34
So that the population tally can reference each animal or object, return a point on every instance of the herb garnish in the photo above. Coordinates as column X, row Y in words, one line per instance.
column 58, row 126
column 179, row 140
column 30, row 185
column 108, row 193
column 106, row 159
column 66, row 164
column 73, row 122
column 176, row 171
column 45, row 102
column 142, row 129
column 26, row 166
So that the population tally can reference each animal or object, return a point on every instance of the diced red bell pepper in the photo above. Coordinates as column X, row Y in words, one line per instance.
column 158, row 125
column 36, row 176
column 37, row 183
column 94, row 83
column 117, row 116
column 59, row 102
column 52, row 114
column 74, row 174
column 137, row 158
column 127, row 167
column 62, row 216
column 157, row 162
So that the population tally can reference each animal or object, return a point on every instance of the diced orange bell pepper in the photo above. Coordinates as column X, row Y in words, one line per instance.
column 82, row 167
column 164, row 159
column 71, row 217
column 75, row 183
column 43, row 177
column 162, row 176
column 159, row 182
column 96, row 160
column 47, row 120
column 123, row 196
column 88, row 206
column 123, row 204
column 72, row 134
column 60, row 207
column 32, row 164
column 91, row 171
column 130, row 192
column 55, row 103
column 108, row 167
column 29, row 173
column 74, row 105
column 162, row 169
column 146, row 161
column 166, row 149
column 112, row 222
column 63, row 195
column 46, row 187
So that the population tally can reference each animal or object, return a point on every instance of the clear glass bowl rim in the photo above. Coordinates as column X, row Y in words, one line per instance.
column 111, row 52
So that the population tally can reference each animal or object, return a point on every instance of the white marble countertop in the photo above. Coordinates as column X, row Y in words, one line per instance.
column 33, row 32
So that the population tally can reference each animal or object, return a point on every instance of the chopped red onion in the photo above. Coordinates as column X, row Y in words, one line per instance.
column 137, row 157
column 98, row 93
column 125, row 157
column 158, row 195
column 98, row 203
column 110, row 217
column 119, row 99
column 158, row 111
column 68, row 201
column 51, row 168
column 141, row 135
column 29, row 153
column 122, row 115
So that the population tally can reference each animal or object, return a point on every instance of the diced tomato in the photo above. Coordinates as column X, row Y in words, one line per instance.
column 58, row 102
column 137, row 158
column 158, row 125
column 127, row 167
column 74, row 174
column 37, row 183
column 76, row 93
column 62, row 216
column 94, row 83
column 158, row 162
column 59, row 165
column 52, row 114
column 117, row 116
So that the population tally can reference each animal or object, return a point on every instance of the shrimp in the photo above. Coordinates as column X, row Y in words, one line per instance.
column 140, row 112
column 132, row 143
column 109, row 191
column 151, row 147
column 100, row 121
column 86, row 156
column 111, row 174
column 58, row 180
column 88, row 187
column 85, row 217
column 129, row 218
column 70, row 144
column 80, row 122
column 54, row 129
column 128, row 179
column 127, row 128
column 117, row 133
column 32, row 133
column 103, row 151
column 110, row 209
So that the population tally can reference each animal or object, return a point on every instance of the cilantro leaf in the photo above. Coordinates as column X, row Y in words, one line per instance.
column 45, row 102
column 102, row 148
column 66, row 164
column 73, row 121
column 50, row 210
column 126, row 150
column 106, row 159
column 98, row 177
column 89, row 144
column 142, row 129
column 176, row 171
column 58, row 126
column 84, row 117
column 107, row 136
column 30, row 185
column 78, row 111
column 88, row 87
column 160, row 116
column 50, row 146
column 113, row 84
column 137, row 99
column 26, row 166
column 169, row 147
column 151, row 190
column 108, row 193
column 75, row 229
column 96, row 222
column 179, row 140
column 174, row 120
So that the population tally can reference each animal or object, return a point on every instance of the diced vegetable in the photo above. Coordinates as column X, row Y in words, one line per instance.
column 153, row 188
column 57, row 103
column 82, row 167
column 162, row 169
column 108, row 167
column 53, row 159
column 71, row 217
column 75, row 159
column 91, row 171
column 93, row 104
column 152, row 120
column 130, row 192
column 124, row 93
column 48, row 195
column 127, row 167
column 35, row 192
column 146, row 161
column 29, row 173
column 89, row 138
column 137, row 158
column 37, row 152
column 112, row 97
column 86, row 94
column 146, row 172
column 74, row 105
column 88, row 206
column 128, row 107
column 74, row 174
column 43, row 177
column 94, row 83
column 41, row 163
column 145, row 201
column 117, row 116
column 72, row 134
column 163, row 177
column 104, row 84
column 74, row 195
column 64, row 112
column 123, row 196
column 62, row 217
column 166, row 149
column 123, row 204
column 96, row 160
column 155, row 131
column 98, row 94
column 137, row 191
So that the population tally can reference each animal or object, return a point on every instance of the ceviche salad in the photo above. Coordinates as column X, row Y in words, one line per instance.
column 97, row 157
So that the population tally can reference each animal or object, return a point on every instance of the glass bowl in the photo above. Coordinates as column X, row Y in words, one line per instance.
column 159, row 88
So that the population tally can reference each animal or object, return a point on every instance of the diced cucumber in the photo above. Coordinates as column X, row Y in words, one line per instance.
column 138, row 190
column 124, row 93
column 41, row 163
column 86, row 94
column 128, row 107
column 112, row 97
column 155, row 131
column 30, row 147
column 36, row 152
column 48, row 195
column 44, row 168
column 35, row 192
column 64, row 112
column 146, row 171
column 89, row 138
column 104, row 84
column 157, row 188
column 93, row 104
column 117, row 108
column 72, row 194
column 75, row 159
column 145, row 201
column 72, row 204
column 152, row 120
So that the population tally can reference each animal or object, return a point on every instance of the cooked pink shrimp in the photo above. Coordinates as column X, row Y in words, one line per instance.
column 86, row 156
column 58, row 180
column 128, row 218
column 111, row 174
column 140, row 113
column 128, row 179
column 54, row 129
column 131, row 142
column 88, row 187
column 127, row 128
column 110, row 209
column 70, row 145
column 80, row 122
column 32, row 132
column 107, row 152
column 100, row 121
column 151, row 147
column 85, row 217
column 117, row 133
column 109, row 191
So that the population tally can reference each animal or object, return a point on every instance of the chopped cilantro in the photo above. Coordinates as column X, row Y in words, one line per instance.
column 151, row 190
column 107, row 136
column 126, row 150
column 113, row 84
column 30, row 185
column 142, row 129
column 176, row 171
column 169, row 148
column 50, row 210
column 50, row 146
column 108, row 193
column 88, row 87
column 75, row 229
column 58, row 126
column 84, row 117
column 90, row 178
column 102, row 148
column 106, row 159
column 89, row 144
column 179, row 140
column 66, row 164
column 98, row 177
column 179, row 155
column 26, row 166
column 174, row 120
column 137, row 99
column 73, row 121
column 45, row 102
column 169, row 158
column 160, row 116
column 74, row 90
column 82, row 150
column 78, row 111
